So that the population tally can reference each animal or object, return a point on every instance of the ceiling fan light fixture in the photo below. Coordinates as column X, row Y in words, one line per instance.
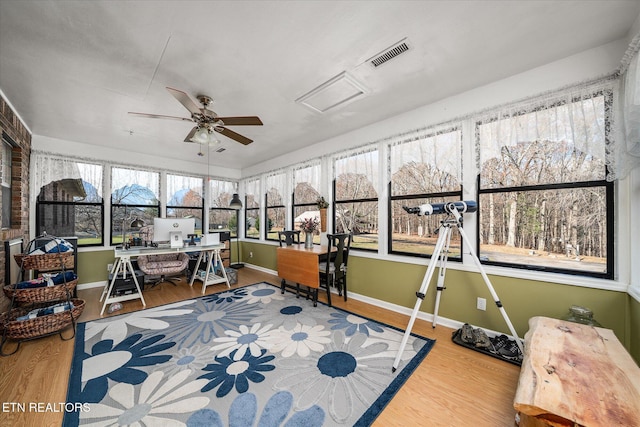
column 205, row 135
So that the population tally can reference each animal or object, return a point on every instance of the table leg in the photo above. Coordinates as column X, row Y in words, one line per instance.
column 195, row 271
column 135, row 280
column 224, row 272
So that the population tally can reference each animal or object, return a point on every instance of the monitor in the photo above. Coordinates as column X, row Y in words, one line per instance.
column 174, row 230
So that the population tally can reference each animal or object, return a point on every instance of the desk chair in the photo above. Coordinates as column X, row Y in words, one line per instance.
column 333, row 270
column 288, row 237
column 163, row 265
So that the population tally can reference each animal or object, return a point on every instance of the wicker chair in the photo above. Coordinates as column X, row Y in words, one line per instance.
column 163, row 265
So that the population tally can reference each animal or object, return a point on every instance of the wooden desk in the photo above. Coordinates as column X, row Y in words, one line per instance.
column 575, row 374
column 301, row 265
column 123, row 266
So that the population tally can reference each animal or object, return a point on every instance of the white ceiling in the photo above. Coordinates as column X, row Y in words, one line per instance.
column 74, row 69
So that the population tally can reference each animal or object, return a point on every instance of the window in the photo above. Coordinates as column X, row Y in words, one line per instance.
column 275, row 214
column 306, row 181
column 221, row 216
column 185, row 198
column 424, row 168
column 252, row 208
column 5, row 183
column 544, row 201
column 356, row 197
column 134, row 194
column 70, row 201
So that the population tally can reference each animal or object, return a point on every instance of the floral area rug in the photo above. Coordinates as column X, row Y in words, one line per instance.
column 250, row 356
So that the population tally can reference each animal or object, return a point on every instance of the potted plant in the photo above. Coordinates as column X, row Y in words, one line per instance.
column 322, row 207
column 309, row 226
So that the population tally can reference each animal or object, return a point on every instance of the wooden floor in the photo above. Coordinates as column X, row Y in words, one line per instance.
column 453, row 386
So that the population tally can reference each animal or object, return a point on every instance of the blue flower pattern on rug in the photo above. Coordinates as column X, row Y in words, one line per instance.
column 119, row 363
column 249, row 356
column 227, row 372
column 352, row 324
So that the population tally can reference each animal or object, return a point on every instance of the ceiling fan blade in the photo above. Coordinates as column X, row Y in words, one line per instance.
column 241, row 121
column 191, row 134
column 158, row 116
column 233, row 135
column 185, row 100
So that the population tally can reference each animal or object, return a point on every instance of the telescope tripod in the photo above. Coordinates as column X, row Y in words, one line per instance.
column 440, row 256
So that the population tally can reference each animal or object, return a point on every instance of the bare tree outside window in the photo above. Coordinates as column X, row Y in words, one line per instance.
column 425, row 168
column 185, row 198
column 135, row 193
column 544, row 201
column 356, row 197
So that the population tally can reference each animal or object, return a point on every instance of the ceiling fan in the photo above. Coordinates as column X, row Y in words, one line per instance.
column 206, row 121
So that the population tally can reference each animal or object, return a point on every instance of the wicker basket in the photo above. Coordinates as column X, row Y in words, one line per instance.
column 43, row 294
column 45, row 262
column 39, row 326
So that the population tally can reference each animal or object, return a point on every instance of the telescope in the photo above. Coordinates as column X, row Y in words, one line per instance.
column 468, row 206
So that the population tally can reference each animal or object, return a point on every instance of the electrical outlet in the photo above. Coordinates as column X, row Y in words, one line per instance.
column 250, row 254
column 481, row 304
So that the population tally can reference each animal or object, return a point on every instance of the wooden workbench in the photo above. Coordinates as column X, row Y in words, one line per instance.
column 576, row 375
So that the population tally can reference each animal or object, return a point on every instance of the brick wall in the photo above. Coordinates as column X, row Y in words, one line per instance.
column 13, row 131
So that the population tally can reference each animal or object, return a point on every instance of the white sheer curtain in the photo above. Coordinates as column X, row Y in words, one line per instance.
column 252, row 192
column 184, row 190
column 133, row 186
column 426, row 160
column 306, row 182
column 276, row 184
column 349, row 169
column 48, row 168
column 626, row 155
column 221, row 193
column 577, row 116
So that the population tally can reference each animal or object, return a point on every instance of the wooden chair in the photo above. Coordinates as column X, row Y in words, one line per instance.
column 288, row 237
column 333, row 270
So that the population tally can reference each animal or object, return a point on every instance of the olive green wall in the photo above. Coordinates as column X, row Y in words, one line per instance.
column 92, row 266
column 397, row 283
column 634, row 329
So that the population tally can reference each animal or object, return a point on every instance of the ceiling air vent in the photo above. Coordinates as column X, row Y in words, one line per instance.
column 389, row 53
column 220, row 150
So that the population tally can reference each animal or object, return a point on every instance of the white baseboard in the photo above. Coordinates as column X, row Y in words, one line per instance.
column 428, row 317
column 101, row 284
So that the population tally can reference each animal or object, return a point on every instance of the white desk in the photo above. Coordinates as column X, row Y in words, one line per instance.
column 123, row 266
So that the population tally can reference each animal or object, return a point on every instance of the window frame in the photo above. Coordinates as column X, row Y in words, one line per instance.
column 253, row 208
column 6, row 184
column 232, row 232
column 370, row 148
column 42, row 204
column 304, row 205
column 421, row 137
column 281, row 207
column 609, row 199
column 178, row 207
column 115, row 206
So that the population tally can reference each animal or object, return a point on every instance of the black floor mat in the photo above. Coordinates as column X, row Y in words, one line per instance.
column 456, row 339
